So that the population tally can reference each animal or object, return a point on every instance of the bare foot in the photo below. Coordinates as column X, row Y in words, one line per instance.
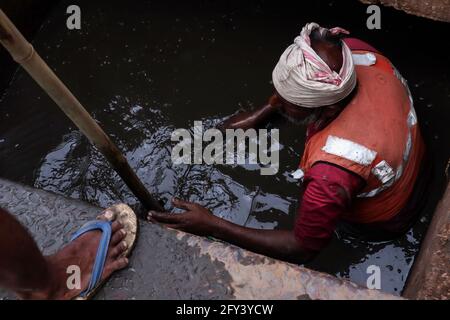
column 82, row 253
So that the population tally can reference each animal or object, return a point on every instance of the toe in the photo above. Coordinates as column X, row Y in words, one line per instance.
column 119, row 264
column 114, row 265
column 116, row 225
column 118, row 250
column 107, row 215
column 118, row 236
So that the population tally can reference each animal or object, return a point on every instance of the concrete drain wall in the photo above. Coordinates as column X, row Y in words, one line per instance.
column 432, row 9
column 167, row 264
column 429, row 277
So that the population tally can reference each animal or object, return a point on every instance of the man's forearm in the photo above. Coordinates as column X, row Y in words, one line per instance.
column 280, row 244
column 250, row 119
column 22, row 266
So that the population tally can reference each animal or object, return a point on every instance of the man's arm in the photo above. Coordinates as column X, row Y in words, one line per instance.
column 25, row 271
column 327, row 196
column 252, row 119
column 22, row 266
column 280, row 244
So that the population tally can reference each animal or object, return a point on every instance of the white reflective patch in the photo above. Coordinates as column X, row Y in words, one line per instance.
column 405, row 84
column 298, row 174
column 376, row 191
column 365, row 59
column 349, row 150
column 370, row 194
column 411, row 101
column 399, row 77
column 412, row 117
column 386, row 175
column 384, row 172
column 399, row 172
column 407, row 147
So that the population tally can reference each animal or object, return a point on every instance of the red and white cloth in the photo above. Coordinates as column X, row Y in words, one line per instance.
column 304, row 79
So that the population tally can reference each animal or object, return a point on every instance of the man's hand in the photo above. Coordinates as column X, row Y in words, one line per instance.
column 196, row 219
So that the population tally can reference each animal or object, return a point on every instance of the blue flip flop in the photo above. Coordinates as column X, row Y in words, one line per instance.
column 102, row 251
column 125, row 215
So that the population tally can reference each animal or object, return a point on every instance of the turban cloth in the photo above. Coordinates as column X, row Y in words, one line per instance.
column 304, row 79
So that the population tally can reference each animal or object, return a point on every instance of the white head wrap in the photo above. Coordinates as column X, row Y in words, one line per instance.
column 304, row 79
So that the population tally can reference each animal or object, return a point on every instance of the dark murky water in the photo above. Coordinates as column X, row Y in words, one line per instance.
column 147, row 68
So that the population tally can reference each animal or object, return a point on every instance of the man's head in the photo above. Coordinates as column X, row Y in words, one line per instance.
column 328, row 47
column 316, row 71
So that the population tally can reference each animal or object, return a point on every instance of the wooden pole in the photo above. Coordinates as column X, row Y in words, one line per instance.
column 24, row 54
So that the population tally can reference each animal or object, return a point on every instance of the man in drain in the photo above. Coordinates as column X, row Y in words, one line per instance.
column 362, row 156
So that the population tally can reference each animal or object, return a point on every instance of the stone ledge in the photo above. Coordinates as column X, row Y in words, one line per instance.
column 430, row 278
column 167, row 264
column 432, row 9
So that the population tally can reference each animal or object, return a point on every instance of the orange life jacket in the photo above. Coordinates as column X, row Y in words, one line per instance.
column 377, row 137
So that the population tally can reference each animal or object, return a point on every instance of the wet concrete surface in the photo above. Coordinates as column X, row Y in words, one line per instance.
column 154, row 66
column 166, row 268
column 167, row 264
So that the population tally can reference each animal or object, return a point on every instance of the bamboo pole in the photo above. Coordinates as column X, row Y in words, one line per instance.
column 24, row 54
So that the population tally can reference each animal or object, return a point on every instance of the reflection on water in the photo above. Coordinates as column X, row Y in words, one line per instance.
column 153, row 67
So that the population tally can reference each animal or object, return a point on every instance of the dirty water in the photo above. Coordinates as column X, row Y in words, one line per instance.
column 151, row 67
